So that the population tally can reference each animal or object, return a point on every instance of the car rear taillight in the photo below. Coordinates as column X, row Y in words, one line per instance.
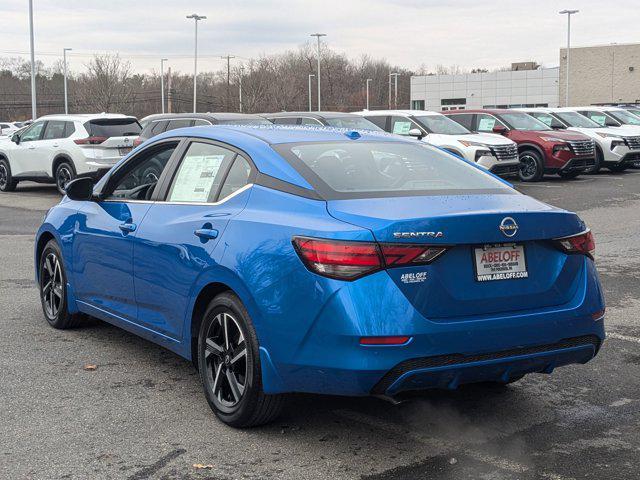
column 137, row 141
column 90, row 140
column 348, row 260
column 582, row 243
column 396, row 340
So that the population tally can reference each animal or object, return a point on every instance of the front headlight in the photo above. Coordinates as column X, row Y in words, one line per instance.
column 618, row 142
column 553, row 139
column 468, row 143
column 561, row 147
column 608, row 135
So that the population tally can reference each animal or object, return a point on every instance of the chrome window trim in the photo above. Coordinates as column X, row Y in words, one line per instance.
column 219, row 202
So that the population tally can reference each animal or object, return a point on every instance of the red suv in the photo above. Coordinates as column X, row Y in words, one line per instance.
column 541, row 149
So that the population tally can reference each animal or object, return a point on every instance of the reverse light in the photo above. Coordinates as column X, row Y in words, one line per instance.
column 348, row 260
column 582, row 243
column 396, row 340
column 90, row 141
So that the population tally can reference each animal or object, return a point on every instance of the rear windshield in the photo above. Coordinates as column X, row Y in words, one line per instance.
column 113, row 127
column 360, row 169
column 522, row 121
column 245, row 121
column 359, row 123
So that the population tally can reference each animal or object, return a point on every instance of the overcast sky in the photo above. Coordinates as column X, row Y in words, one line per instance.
column 468, row 33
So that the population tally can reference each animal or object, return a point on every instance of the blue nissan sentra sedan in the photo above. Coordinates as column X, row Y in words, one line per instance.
column 339, row 262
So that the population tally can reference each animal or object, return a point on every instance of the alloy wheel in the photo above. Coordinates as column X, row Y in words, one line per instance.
column 4, row 176
column 51, row 285
column 63, row 177
column 225, row 357
column 528, row 166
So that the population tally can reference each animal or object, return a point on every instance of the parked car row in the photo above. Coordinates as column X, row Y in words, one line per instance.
column 528, row 142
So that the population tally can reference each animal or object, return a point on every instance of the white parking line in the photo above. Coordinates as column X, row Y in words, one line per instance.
column 623, row 337
column 439, row 444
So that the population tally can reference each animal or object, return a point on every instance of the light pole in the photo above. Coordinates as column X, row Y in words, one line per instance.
column 393, row 74
column 64, row 61
column 310, row 75
column 162, row 60
column 196, row 18
column 367, row 82
column 33, row 64
column 240, row 75
column 568, row 13
column 395, row 90
column 318, row 35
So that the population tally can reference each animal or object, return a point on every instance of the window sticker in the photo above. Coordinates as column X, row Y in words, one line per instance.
column 599, row 119
column 486, row 123
column 401, row 128
column 195, row 178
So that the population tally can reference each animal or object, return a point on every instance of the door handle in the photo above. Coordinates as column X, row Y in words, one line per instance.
column 206, row 233
column 32, row 147
column 56, row 146
column 127, row 227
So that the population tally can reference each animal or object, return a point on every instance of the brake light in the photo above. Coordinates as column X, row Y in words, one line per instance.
column 137, row 141
column 90, row 140
column 338, row 259
column 348, row 260
column 582, row 243
column 398, row 340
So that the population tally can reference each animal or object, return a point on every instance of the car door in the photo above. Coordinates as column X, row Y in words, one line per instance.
column 49, row 145
column 175, row 241
column 25, row 154
column 105, row 232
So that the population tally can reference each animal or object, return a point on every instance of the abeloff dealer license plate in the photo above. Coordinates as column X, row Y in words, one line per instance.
column 500, row 262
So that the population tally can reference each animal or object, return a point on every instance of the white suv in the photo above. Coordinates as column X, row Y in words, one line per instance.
column 496, row 153
column 617, row 147
column 58, row 148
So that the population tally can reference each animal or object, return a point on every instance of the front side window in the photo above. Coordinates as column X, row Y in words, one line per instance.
column 574, row 119
column 179, row 123
column 139, row 181
column 548, row 119
column 601, row 118
column 199, row 174
column 32, row 133
column 245, row 121
column 486, row 123
column 285, row 121
column 54, row 130
column 402, row 125
column 310, row 121
column 380, row 169
column 441, row 124
column 359, row 123
column 522, row 121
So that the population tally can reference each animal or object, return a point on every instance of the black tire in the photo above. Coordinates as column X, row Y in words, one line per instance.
column 222, row 365
column 570, row 174
column 65, row 172
column 531, row 166
column 598, row 165
column 618, row 168
column 53, row 289
column 7, row 183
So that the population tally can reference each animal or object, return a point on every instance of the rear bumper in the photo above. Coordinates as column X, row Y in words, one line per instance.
column 441, row 353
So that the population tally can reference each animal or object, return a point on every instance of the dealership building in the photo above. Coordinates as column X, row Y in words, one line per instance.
column 600, row 74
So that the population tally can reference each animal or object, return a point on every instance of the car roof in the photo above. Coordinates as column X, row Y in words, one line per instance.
column 83, row 117
column 594, row 108
column 205, row 116
column 253, row 139
column 320, row 115
column 397, row 112
column 496, row 111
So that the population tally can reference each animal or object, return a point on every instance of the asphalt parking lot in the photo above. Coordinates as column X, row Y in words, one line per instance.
column 141, row 413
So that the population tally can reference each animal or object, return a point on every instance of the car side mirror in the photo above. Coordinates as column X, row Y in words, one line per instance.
column 499, row 129
column 80, row 189
column 557, row 126
column 417, row 133
column 16, row 139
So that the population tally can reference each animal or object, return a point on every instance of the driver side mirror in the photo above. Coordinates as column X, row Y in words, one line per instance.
column 557, row 126
column 80, row 189
column 499, row 129
column 417, row 133
column 16, row 139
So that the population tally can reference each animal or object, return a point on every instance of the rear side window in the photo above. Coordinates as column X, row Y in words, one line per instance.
column 464, row 120
column 285, row 121
column 179, row 123
column 55, row 129
column 310, row 121
column 201, row 123
column 379, row 120
column 237, row 177
column 156, row 128
column 198, row 176
column 69, row 129
column 340, row 170
column 113, row 127
column 360, row 123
